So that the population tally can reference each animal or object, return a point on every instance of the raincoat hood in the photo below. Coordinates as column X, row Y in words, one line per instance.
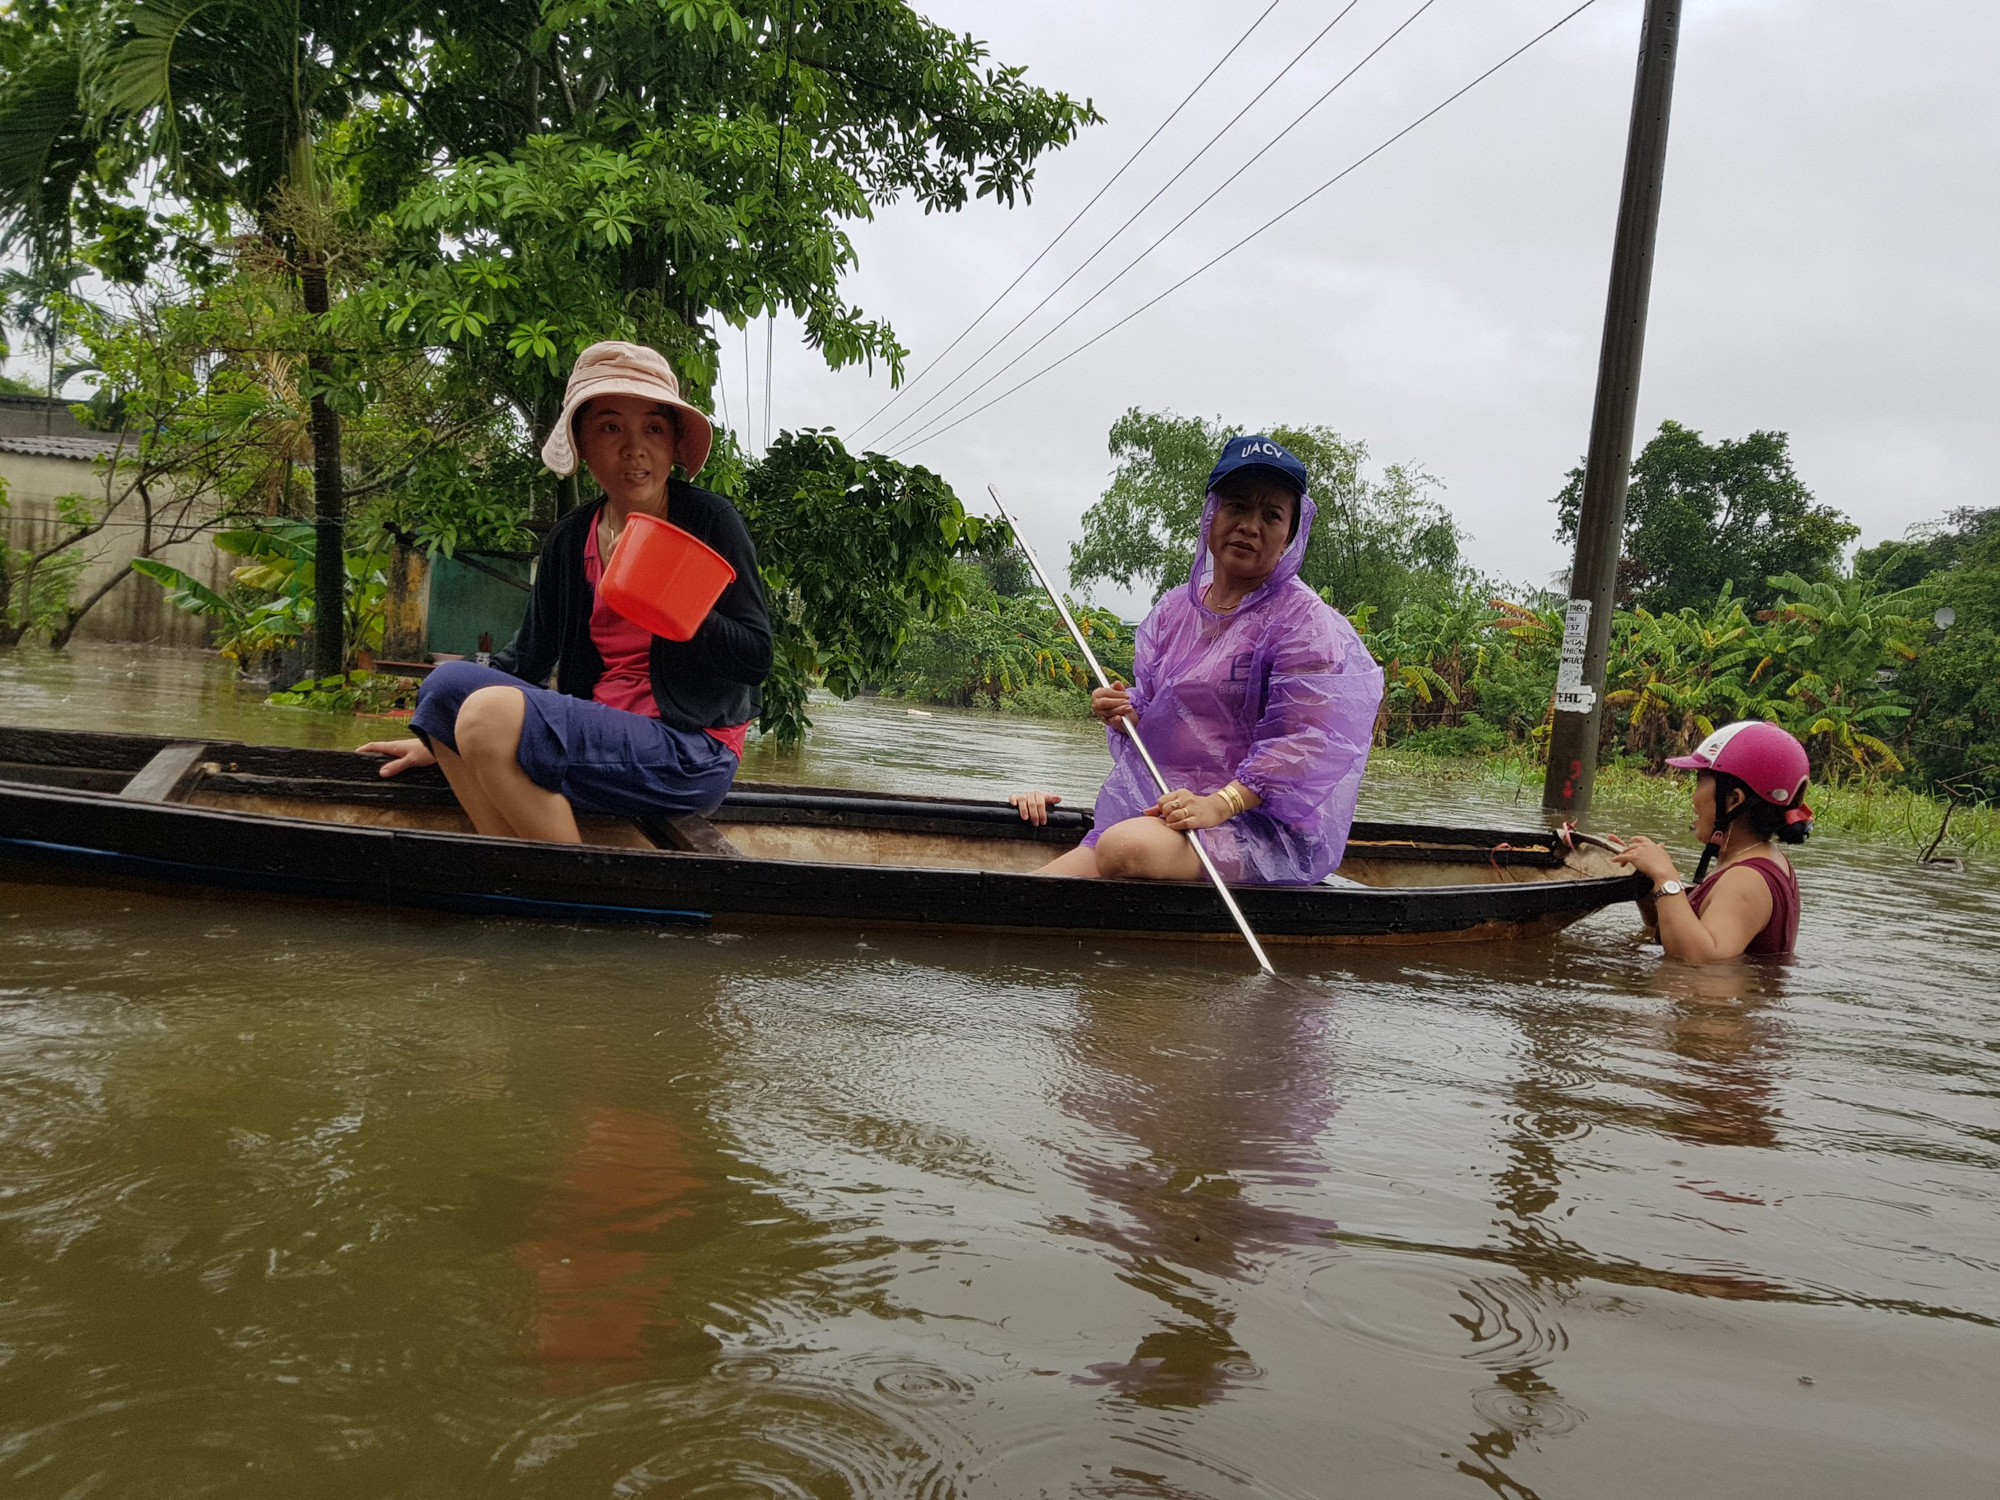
column 1289, row 561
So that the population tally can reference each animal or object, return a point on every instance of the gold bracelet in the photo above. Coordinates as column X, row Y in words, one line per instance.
column 1233, row 797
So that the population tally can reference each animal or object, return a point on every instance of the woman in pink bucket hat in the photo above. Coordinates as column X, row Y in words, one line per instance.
column 1749, row 797
column 636, row 723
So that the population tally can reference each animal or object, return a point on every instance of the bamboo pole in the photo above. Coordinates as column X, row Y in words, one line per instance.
column 1132, row 733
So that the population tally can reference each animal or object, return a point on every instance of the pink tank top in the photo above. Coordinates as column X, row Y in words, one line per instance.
column 627, row 650
column 1782, row 931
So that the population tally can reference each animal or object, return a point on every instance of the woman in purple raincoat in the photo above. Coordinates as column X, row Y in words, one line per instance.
column 1256, row 698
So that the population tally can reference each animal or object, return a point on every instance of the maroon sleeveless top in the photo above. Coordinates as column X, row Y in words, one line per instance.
column 1782, row 931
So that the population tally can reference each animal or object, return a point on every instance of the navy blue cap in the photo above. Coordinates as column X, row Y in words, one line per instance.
column 1252, row 450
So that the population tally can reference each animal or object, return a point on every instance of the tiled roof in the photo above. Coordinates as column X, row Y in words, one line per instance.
column 82, row 449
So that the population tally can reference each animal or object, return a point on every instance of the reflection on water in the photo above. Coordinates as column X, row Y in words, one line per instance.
column 597, row 1291
column 318, row 1201
column 1200, row 1108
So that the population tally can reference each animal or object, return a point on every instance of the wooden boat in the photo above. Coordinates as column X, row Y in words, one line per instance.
column 324, row 824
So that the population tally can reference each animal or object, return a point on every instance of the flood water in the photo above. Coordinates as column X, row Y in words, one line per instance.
column 312, row 1201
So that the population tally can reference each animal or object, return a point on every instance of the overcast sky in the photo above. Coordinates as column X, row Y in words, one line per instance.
column 1825, row 268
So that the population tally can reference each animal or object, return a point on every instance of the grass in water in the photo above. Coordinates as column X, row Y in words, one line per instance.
column 1890, row 813
column 1895, row 814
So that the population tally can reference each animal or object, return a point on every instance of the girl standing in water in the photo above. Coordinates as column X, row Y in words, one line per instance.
column 1749, row 797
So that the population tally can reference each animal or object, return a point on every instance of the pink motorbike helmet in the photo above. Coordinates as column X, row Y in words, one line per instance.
column 1767, row 760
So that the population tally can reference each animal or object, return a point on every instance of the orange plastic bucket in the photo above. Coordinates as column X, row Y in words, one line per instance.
column 663, row 579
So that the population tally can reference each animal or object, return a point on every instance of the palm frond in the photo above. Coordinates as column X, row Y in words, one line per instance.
column 45, row 149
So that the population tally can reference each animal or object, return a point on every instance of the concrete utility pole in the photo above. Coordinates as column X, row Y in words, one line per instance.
column 1600, row 528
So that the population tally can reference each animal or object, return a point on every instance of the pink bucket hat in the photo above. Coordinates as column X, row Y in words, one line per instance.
column 612, row 368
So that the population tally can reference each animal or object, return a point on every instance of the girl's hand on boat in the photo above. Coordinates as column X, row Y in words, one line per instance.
column 1648, row 858
column 402, row 754
column 1113, row 703
column 1183, row 810
column 1034, row 806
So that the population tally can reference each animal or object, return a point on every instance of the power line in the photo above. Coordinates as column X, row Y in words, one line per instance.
column 1186, row 100
column 1112, row 239
column 1175, row 227
column 1253, row 234
column 778, row 196
column 749, row 410
column 721, row 380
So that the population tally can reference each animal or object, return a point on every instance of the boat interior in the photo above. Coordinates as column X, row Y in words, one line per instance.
column 819, row 825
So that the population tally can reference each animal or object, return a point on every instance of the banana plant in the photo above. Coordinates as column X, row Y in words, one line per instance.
column 278, row 566
column 1675, row 676
column 1840, row 645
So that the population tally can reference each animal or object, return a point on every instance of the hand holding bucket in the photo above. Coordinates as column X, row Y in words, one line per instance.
column 662, row 579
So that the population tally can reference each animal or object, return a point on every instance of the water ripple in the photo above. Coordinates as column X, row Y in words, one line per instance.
column 867, row 1429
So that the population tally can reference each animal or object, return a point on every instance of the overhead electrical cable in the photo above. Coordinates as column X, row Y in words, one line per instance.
column 1175, row 227
column 770, row 340
column 1275, row 219
column 721, row 379
column 1115, row 234
column 910, row 384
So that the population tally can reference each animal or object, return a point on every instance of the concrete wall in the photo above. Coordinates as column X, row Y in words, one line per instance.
column 38, row 416
column 135, row 610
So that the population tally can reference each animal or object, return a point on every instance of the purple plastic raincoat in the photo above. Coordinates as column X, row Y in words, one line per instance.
column 1278, row 694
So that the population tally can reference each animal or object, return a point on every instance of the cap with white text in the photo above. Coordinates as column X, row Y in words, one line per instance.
column 1253, row 450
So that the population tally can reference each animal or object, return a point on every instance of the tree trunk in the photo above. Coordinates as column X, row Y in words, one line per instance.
column 9, row 635
column 21, row 594
column 329, row 500
column 74, row 616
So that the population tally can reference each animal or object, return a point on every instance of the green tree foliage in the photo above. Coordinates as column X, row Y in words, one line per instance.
column 1699, row 516
column 1952, row 737
column 47, row 153
column 1437, row 658
column 30, row 302
column 1847, row 640
column 613, row 169
column 855, row 551
column 212, row 427
column 1007, row 646
column 1824, row 662
column 35, row 584
column 1968, row 537
column 495, row 185
column 226, row 102
column 1380, row 543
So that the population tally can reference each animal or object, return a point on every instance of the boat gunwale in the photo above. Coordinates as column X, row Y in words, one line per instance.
column 1432, row 843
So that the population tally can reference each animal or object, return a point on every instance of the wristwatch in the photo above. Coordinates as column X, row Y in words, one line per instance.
column 1670, row 888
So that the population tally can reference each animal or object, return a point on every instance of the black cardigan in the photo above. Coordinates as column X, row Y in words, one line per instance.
column 710, row 682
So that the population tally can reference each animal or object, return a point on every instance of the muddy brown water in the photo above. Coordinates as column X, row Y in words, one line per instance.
column 318, row 1201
